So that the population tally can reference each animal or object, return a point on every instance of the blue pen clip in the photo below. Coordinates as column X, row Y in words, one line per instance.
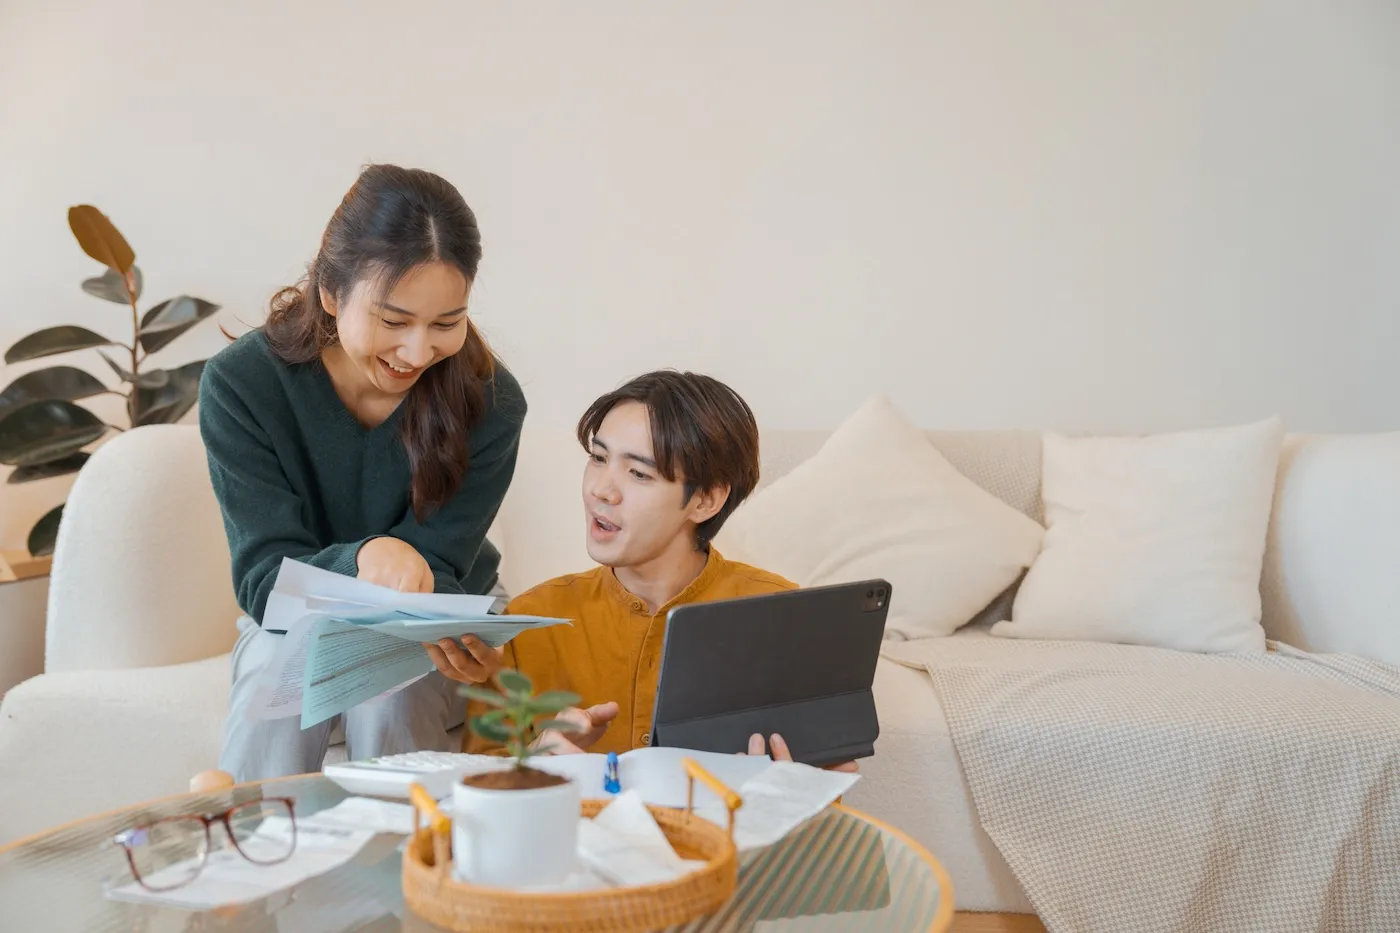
column 611, row 783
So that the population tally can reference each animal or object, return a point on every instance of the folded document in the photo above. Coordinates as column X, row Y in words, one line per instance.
column 348, row 641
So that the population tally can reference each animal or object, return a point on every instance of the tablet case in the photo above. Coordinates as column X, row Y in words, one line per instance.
column 800, row 663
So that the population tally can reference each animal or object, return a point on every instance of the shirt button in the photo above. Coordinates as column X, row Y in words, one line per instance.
column 644, row 738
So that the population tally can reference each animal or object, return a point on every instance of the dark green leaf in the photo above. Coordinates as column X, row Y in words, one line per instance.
column 169, row 319
column 491, row 732
column 170, row 402
column 124, row 374
column 110, row 285
column 150, row 379
column 514, row 682
column 481, row 694
column 44, row 534
column 47, row 430
column 60, row 467
column 559, row 725
column 153, row 378
column 66, row 382
column 51, row 340
column 100, row 238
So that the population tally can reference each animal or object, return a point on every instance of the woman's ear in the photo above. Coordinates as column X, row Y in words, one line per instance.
column 328, row 302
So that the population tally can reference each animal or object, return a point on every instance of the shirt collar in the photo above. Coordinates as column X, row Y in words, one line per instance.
column 714, row 567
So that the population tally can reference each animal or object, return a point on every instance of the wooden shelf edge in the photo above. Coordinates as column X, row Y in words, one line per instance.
column 18, row 565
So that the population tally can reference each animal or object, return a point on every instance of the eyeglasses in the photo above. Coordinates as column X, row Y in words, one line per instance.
column 171, row 852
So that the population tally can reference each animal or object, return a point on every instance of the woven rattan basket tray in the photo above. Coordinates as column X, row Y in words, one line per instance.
column 431, row 891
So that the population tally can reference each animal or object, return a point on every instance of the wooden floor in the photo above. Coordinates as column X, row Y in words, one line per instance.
column 996, row 923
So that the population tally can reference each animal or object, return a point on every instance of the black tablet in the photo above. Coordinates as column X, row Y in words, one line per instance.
column 800, row 663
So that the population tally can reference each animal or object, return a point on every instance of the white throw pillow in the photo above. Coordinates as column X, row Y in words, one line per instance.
column 1332, row 570
column 879, row 501
column 1153, row 540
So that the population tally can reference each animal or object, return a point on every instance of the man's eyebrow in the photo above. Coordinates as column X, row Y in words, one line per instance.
column 396, row 309
column 637, row 458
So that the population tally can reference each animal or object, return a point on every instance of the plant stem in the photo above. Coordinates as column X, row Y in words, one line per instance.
column 135, row 342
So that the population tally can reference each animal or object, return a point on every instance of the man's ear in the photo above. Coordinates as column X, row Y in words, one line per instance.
column 328, row 302
column 706, row 503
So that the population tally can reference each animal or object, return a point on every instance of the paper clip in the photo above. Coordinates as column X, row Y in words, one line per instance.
column 611, row 783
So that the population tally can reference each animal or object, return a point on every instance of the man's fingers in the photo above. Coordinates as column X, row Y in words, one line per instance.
column 778, row 745
column 440, row 661
column 482, row 652
column 457, row 656
column 459, row 664
column 755, row 744
column 602, row 713
column 562, row 746
column 849, row 767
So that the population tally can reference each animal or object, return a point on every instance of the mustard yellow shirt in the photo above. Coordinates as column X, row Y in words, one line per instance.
column 612, row 651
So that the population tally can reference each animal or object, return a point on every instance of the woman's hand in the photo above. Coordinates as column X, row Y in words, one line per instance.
column 476, row 665
column 395, row 564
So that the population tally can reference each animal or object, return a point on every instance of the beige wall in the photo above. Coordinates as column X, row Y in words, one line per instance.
column 1088, row 215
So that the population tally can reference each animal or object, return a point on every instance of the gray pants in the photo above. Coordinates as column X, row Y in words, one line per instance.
column 416, row 718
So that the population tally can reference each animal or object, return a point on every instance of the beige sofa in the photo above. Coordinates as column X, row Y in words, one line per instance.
column 141, row 619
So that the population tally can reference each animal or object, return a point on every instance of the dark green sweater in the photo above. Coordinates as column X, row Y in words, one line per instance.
column 297, row 476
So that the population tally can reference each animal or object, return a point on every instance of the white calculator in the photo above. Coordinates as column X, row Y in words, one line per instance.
column 391, row 775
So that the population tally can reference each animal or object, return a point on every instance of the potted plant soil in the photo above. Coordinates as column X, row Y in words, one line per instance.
column 518, row 826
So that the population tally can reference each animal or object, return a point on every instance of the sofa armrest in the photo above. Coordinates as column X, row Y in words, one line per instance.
column 78, row 743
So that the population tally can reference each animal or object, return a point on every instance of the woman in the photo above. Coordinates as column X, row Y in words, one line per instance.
column 365, row 429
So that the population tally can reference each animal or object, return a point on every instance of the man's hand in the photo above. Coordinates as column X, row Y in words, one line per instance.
column 594, row 721
column 476, row 665
column 781, row 752
column 395, row 564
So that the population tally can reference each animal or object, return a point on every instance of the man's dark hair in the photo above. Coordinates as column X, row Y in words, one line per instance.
column 701, row 431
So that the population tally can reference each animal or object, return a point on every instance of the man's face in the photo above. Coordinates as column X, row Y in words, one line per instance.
column 634, row 516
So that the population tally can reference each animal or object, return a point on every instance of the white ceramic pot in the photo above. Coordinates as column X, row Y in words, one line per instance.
column 515, row 838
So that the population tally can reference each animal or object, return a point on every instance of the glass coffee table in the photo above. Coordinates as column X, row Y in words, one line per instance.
column 841, row 871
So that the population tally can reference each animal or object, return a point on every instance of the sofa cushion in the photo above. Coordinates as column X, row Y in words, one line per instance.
column 879, row 501
column 1153, row 540
column 1332, row 571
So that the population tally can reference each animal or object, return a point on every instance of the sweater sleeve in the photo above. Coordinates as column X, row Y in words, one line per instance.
column 453, row 538
column 263, row 515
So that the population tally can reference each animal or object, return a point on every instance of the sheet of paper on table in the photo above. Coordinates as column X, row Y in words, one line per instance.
column 228, row 878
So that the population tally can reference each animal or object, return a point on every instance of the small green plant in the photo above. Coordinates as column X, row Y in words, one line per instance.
column 517, row 717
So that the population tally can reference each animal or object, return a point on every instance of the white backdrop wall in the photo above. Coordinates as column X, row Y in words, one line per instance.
column 1091, row 215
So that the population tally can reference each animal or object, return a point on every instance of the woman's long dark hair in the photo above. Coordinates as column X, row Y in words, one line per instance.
column 390, row 221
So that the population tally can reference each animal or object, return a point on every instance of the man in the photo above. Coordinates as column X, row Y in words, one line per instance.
column 671, row 456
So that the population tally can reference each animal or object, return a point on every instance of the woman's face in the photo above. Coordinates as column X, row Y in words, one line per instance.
column 422, row 321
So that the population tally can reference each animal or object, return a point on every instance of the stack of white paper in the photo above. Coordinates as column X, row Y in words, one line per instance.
column 348, row 641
